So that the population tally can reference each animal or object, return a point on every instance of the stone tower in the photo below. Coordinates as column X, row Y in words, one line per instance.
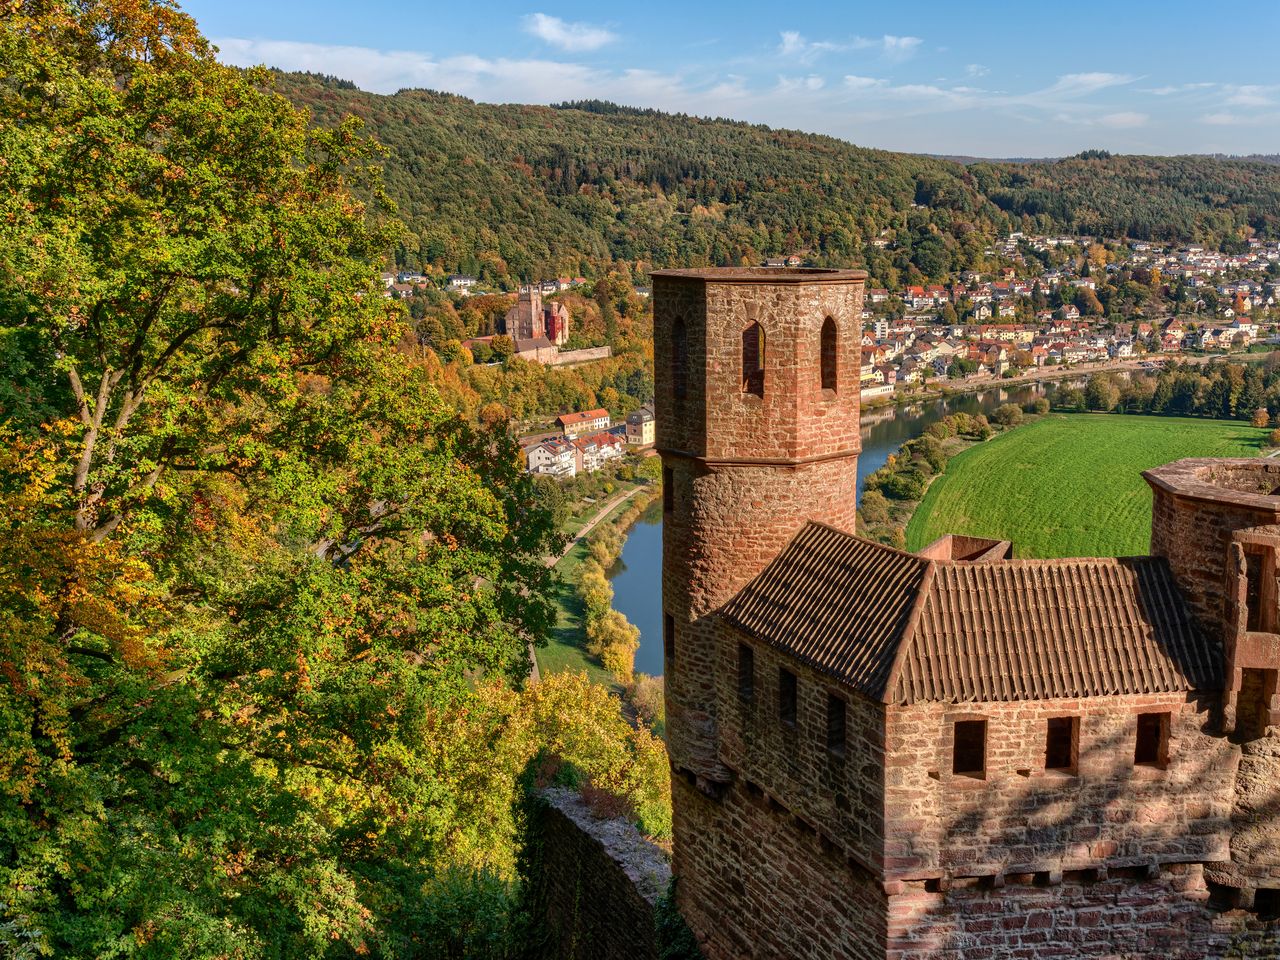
column 757, row 376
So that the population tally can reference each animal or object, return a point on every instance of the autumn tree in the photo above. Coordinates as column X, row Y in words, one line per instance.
column 253, row 568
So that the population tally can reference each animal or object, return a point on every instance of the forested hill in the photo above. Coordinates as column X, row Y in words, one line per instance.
column 510, row 192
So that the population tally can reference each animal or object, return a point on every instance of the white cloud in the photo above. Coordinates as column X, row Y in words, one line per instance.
column 793, row 45
column 799, row 84
column 1224, row 119
column 976, row 70
column 1081, row 84
column 899, row 48
column 1124, row 120
column 1250, row 95
column 862, row 83
column 1170, row 89
column 575, row 37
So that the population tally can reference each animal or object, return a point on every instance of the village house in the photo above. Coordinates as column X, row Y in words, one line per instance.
column 587, row 421
column 640, row 427
column 556, row 457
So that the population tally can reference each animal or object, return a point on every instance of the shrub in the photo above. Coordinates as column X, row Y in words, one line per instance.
column 904, row 485
column 874, row 507
column 1039, row 406
column 1008, row 415
column 1274, row 438
column 646, row 694
column 1261, row 418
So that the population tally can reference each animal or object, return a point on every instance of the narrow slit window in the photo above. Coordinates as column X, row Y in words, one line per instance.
column 1152, row 746
column 969, row 751
column 669, row 639
column 837, row 718
column 679, row 359
column 787, row 697
column 1253, row 590
column 829, row 358
column 668, row 489
column 1060, row 749
column 753, row 360
column 746, row 672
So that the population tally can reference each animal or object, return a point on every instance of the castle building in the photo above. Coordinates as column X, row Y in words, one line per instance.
column 954, row 753
column 537, row 330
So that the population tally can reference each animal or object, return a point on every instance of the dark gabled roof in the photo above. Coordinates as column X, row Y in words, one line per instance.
column 900, row 628
column 837, row 602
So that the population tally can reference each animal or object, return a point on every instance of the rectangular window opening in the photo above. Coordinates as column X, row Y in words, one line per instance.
column 786, row 696
column 746, row 672
column 837, row 711
column 1061, row 744
column 669, row 639
column 668, row 489
column 1253, row 591
column 969, row 751
column 1152, row 746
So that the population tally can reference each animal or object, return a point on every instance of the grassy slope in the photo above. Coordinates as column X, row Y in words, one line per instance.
column 564, row 649
column 1069, row 485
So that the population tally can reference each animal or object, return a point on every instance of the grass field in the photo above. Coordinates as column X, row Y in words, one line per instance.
column 564, row 649
column 1069, row 485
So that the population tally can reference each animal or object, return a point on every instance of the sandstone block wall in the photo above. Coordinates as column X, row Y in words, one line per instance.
column 839, row 796
column 756, row 883
column 725, row 525
column 1023, row 818
column 599, row 881
column 1165, row 917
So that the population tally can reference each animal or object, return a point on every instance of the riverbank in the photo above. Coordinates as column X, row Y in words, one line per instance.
column 565, row 649
column 960, row 388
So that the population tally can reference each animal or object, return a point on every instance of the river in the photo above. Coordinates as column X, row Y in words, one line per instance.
column 637, row 576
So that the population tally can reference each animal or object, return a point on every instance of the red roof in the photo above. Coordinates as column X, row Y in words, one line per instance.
column 571, row 419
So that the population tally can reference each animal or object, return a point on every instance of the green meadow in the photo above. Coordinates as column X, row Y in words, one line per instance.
column 1069, row 485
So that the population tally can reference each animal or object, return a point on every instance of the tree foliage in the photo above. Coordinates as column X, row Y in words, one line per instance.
column 265, row 597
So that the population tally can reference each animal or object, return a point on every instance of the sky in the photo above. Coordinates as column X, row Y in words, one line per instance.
column 966, row 77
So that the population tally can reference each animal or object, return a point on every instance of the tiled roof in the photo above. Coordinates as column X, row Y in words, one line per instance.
column 1030, row 629
column 837, row 602
column 901, row 629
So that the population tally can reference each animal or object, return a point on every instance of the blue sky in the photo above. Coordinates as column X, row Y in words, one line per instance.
column 980, row 78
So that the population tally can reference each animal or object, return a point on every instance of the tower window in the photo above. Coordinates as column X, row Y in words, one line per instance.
column 969, row 750
column 746, row 672
column 828, row 360
column 837, row 711
column 753, row 360
column 679, row 359
column 1254, row 567
column 1152, row 747
column 669, row 639
column 1061, row 740
column 786, row 696
column 668, row 489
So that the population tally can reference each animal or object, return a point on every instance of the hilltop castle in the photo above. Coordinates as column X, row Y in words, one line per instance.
column 537, row 330
column 955, row 753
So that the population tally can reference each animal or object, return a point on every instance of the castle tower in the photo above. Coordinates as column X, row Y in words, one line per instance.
column 757, row 379
column 1217, row 522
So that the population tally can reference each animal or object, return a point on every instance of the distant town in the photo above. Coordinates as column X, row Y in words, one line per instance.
column 1005, row 325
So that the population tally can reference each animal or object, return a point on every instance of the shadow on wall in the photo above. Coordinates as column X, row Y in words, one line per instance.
column 1118, row 886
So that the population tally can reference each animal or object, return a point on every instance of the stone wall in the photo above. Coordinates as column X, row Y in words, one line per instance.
column 598, row 882
column 584, row 355
column 1164, row 917
column 756, row 882
column 839, row 795
column 1022, row 818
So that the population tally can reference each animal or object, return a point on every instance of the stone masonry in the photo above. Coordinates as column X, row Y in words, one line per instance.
column 954, row 754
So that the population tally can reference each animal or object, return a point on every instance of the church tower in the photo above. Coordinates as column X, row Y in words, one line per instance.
column 757, row 379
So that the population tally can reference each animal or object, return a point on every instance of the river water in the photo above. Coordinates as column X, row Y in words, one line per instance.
column 637, row 576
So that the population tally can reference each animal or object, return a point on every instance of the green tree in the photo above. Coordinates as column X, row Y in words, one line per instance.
column 253, row 566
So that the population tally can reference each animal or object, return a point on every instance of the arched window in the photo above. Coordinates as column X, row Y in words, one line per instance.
column 828, row 355
column 679, row 359
column 753, row 359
